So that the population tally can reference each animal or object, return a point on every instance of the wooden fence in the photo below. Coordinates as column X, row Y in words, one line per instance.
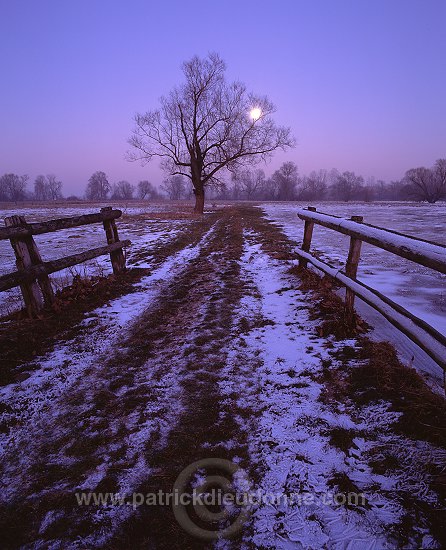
column 426, row 253
column 32, row 272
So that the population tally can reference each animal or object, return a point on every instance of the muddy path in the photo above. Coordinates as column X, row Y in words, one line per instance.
column 154, row 243
column 224, row 359
column 112, row 428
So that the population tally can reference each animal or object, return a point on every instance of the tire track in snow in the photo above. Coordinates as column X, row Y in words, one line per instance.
column 224, row 363
column 292, row 442
column 207, row 426
column 96, row 412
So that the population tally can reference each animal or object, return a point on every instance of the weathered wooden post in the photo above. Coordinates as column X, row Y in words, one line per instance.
column 351, row 269
column 43, row 280
column 111, row 231
column 308, row 235
column 27, row 255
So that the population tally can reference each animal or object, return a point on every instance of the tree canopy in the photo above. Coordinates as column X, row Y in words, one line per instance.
column 428, row 184
column 98, row 187
column 206, row 125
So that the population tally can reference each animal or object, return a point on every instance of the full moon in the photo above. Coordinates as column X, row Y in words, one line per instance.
column 255, row 113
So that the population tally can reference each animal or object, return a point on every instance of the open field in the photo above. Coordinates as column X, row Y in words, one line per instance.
column 216, row 345
column 142, row 223
column 419, row 289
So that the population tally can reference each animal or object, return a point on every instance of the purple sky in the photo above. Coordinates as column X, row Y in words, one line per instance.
column 361, row 82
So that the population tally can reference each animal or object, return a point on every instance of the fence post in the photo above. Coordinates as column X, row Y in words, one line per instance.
column 308, row 234
column 43, row 280
column 25, row 258
column 351, row 269
column 111, row 231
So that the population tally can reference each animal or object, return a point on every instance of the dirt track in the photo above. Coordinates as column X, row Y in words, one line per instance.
column 225, row 359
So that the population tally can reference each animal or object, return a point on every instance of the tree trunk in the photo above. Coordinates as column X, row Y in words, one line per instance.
column 199, row 200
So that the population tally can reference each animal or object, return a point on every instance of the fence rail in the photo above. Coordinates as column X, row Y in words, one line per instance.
column 426, row 253
column 32, row 272
column 39, row 228
column 423, row 252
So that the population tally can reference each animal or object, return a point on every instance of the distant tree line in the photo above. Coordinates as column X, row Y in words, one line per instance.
column 15, row 188
column 285, row 184
column 99, row 188
column 418, row 184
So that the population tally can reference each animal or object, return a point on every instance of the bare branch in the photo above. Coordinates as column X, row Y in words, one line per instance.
column 204, row 126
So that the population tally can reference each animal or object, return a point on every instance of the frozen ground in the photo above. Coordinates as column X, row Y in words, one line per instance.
column 144, row 226
column 215, row 353
column 293, row 437
column 420, row 290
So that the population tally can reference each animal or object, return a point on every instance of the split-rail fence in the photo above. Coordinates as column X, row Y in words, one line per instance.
column 426, row 253
column 32, row 272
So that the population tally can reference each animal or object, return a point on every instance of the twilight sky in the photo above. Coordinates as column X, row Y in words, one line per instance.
column 361, row 82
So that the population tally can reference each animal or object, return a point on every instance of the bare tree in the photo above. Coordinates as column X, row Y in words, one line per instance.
column 41, row 192
column 146, row 189
column 251, row 182
column 428, row 184
column 98, row 187
column 174, row 187
column 286, row 181
column 346, row 185
column 314, row 186
column 54, row 187
column 47, row 188
column 207, row 125
column 421, row 183
column 440, row 174
column 3, row 190
column 269, row 191
column 123, row 190
column 13, row 187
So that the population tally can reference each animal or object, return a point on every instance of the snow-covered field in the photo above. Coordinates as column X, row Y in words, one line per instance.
column 295, row 426
column 420, row 290
column 417, row 288
column 142, row 225
column 215, row 352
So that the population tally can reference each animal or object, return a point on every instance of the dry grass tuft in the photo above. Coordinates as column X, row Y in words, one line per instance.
column 342, row 438
column 346, row 487
column 328, row 306
column 383, row 376
column 22, row 339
